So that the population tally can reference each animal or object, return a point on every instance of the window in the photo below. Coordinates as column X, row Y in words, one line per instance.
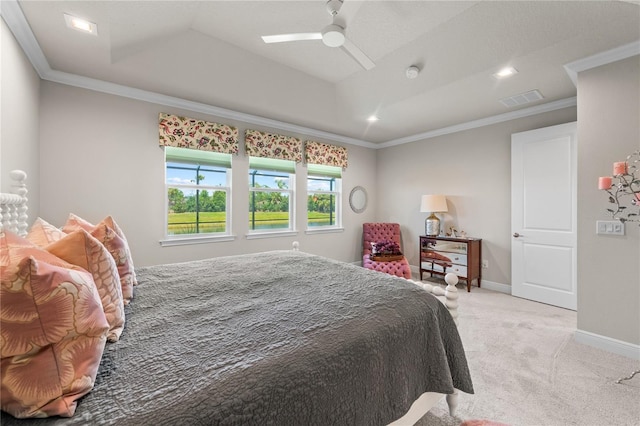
column 198, row 187
column 324, row 189
column 271, row 195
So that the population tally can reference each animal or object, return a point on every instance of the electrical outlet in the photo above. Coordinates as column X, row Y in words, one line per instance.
column 485, row 264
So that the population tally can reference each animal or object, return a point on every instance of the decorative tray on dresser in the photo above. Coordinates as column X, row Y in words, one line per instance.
column 441, row 255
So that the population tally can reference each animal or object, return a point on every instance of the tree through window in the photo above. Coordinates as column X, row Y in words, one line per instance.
column 324, row 195
column 271, row 189
column 198, row 187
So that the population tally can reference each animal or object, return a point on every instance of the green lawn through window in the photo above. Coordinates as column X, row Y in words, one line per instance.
column 211, row 222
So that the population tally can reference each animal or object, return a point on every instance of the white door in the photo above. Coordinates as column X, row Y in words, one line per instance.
column 543, row 215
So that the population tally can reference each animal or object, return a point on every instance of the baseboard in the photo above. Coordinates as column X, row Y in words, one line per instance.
column 608, row 344
column 494, row 286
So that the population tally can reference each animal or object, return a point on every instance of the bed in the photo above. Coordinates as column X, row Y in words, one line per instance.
column 275, row 338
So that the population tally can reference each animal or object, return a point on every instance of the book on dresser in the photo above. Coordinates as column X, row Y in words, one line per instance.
column 441, row 255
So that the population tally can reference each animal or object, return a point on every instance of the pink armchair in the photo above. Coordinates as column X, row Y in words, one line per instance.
column 375, row 232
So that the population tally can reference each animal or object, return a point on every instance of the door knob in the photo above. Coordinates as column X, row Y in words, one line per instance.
column 516, row 235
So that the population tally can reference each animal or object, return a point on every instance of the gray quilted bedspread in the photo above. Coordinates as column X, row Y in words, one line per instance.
column 276, row 338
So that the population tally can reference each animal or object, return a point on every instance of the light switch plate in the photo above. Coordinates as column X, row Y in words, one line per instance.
column 609, row 227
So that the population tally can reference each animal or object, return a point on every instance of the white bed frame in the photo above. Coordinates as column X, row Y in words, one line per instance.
column 13, row 205
column 13, row 216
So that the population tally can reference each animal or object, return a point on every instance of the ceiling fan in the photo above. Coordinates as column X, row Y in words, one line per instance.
column 333, row 35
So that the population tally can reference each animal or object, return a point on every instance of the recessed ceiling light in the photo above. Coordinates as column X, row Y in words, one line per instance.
column 506, row 72
column 372, row 119
column 81, row 24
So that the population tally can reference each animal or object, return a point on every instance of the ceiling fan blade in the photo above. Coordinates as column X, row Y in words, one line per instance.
column 279, row 38
column 358, row 55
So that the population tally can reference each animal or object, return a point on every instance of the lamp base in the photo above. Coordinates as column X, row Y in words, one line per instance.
column 432, row 226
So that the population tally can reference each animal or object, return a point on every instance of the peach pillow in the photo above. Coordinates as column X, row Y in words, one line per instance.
column 16, row 248
column 81, row 249
column 42, row 233
column 111, row 223
column 52, row 333
column 116, row 245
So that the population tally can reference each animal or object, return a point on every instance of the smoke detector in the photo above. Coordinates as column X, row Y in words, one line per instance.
column 412, row 72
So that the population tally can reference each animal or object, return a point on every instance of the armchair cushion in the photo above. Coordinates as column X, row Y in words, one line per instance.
column 399, row 268
column 376, row 232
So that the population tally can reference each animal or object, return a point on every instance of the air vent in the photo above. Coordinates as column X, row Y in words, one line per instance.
column 522, row 98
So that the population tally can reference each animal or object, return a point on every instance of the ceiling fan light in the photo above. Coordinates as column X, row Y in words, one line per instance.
column 333, row 35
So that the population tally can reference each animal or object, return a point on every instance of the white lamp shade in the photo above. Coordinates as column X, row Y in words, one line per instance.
column 433, row 204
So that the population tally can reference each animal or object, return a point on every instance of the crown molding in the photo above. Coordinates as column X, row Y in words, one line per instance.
column 17, row 23
column 171, row 101
column 487, row 121
column 619, row 53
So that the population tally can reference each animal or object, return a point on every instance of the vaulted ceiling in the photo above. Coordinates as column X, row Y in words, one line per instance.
column 211, row 52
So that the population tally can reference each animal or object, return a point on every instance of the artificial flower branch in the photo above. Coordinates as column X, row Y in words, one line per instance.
column 627, row 186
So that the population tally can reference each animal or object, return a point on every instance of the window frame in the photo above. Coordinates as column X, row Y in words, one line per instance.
column 315, row 172
column 213, row 165
column 272, row 168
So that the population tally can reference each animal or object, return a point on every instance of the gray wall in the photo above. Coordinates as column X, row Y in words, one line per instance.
column 102, row 157
column 19, row 117
column 473, row 169
column 608, row 266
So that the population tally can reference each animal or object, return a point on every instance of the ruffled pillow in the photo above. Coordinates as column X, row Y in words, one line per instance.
column 53, row 331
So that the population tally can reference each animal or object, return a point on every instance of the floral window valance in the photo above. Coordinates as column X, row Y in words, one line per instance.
column 325, row 154
column 184, row 132
column 261, row 144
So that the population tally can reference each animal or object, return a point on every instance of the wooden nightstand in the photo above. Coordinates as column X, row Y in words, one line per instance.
column 441, row 255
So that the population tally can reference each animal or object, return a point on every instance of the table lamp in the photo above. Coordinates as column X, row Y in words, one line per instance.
column 433, row 204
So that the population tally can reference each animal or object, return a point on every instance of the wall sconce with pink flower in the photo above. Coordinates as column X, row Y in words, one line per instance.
column 624, row 189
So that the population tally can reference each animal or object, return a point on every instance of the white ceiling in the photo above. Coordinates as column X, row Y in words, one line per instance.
column 211, row 52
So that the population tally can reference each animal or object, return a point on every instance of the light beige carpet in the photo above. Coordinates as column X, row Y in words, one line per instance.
column 528, row 370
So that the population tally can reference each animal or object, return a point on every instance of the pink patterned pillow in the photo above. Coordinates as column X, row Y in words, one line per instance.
column 111, row 223
column 116, row 245
column 81, row 249
column 42, row 233
column 52, row 333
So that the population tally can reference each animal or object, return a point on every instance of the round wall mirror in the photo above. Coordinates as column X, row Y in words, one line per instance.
column 358, row 199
